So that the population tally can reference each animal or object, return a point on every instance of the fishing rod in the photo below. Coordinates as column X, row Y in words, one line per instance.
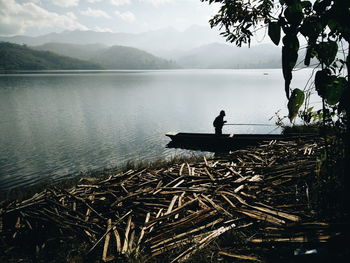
column 251, row 124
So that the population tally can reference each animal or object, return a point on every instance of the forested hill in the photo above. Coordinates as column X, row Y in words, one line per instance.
column 120, row 57
column 19, row 57
column 115, row 57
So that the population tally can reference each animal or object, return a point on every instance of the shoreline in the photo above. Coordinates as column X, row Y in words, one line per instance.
column 21, row 193
column 253, row 196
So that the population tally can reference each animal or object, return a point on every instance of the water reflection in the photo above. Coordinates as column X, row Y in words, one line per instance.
column 56, row 125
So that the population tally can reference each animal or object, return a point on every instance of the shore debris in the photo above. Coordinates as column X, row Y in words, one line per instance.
column 181, row 208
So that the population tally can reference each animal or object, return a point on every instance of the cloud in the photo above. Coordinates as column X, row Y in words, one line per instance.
column 34, row 1
column 95, row 13
column 16, row 18
column 65, row 3
column 102, row 29
column 120, row 2
column 94, row 1
column 155, row 2
column 126, row 16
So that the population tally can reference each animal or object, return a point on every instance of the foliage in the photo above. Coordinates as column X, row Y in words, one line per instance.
column 301, row 129
column 295, row 102
column 323, row 24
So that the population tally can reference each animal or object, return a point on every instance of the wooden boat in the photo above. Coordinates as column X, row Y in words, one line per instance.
column 213, row 142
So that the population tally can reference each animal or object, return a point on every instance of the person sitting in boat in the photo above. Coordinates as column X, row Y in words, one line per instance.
column 219, row 123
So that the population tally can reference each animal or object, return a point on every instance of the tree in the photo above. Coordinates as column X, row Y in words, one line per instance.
column 324, row 25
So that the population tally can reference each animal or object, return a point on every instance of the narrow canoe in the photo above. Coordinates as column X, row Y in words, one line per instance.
column 209, row 141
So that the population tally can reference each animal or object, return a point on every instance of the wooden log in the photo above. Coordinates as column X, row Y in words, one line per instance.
column 281, row 214
column 297, row 239
column 148, row 216
column 175, row 211
column 231, row 255
column 205, row 161
column 113, row 228
column 126, row 237
column 228, row 201
column 179, row 203
column 217, row 207
column 117, row 240
column 176, row 244
column 171, row 205
column 85, row 203
column 106, row 244
column 209, row 174
column 187, row 233
column 181, row 169
column 182, row 224
column 239, row 188
column 261, row 216
column 147, row 225
column 131, row 239
column 202, row 243
column 189, row 169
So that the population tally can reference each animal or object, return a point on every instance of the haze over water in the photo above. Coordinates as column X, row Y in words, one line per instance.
column 55, row 125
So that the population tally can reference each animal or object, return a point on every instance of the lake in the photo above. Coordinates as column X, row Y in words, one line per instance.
column 57, row 124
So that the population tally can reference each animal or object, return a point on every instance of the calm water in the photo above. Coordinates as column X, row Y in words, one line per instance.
column 54, row 125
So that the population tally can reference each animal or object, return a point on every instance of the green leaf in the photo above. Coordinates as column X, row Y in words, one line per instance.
column 275, row 32
column 321, row 81
column 330, row 87
column 289, row 2
column 306, row 4
column 326, row 52
column 295, row 102
column 321, row 5
column 311, row 28
column 289, row 58
column 291, row 41
column 287, row 70
column 335, row 89
column 294, row 13
column 332, row 24
column 308, row 56
column 344, row 104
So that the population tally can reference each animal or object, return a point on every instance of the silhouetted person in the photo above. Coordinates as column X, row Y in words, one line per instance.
column 219, row 123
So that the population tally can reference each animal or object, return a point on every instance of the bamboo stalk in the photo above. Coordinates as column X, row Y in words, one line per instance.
column 205, row 241
column 106, row 244
column 231, row 255
column 126, row 238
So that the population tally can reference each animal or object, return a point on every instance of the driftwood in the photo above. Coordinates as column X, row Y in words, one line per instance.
column 181, row 208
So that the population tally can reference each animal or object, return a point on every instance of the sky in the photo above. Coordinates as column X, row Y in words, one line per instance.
column 38, row 17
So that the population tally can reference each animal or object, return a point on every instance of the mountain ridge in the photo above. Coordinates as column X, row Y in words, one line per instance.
column 148, row 41
column 20, row 57
column 113, row 57
column 214, row 55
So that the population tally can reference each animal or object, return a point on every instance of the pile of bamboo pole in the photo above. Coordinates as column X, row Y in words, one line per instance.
column 179, row 209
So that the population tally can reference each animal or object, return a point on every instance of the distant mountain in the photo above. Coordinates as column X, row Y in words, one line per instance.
column 214, row 55
column 196, row 47
column 115, row 57
column 218, row 55
column 152, row 41
column 17, row 57
column 120, row 57
column 85, row 52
